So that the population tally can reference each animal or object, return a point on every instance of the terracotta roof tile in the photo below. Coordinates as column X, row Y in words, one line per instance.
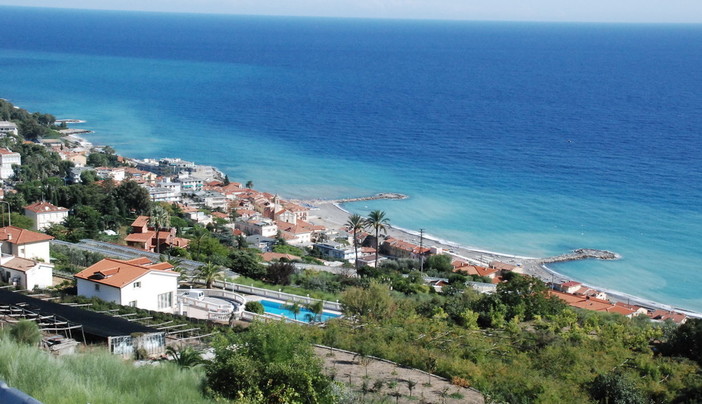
column 119, row 273
column 18, row 236
column 42, row 206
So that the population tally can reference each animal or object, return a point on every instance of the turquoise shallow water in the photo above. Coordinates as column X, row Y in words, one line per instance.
column 531, row 139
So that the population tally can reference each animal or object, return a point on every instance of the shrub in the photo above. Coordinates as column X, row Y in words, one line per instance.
column 254, row 307
column 26, row 332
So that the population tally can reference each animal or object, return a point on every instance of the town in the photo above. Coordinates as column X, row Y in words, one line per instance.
column 151, row 257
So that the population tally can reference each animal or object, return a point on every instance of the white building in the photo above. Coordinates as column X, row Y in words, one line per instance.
column 7, row 159
column 336, row 251
column 8, row 128
column 116, row 173
column 45, row 214
column 25, row 273
column 138, row 282
column 260, row 227
column 25, row 243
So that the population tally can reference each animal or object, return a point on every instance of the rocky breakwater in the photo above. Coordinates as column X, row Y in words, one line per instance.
column 581, row 254
column 382, row 195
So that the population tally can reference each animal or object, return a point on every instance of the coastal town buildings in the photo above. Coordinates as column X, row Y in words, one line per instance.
column 24, row 243
column 146, row 237
column 8, row 128
column 138, row 283
column 8, row 158
column 44, row 214
column 25, row 273
column 336, row 251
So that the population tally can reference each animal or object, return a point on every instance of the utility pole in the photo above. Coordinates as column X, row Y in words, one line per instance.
column 421, row 247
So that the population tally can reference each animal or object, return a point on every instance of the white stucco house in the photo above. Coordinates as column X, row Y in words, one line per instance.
column 8, row 128
column 45, row 214
column 25, row 273
column 8, row 158
column 24, row 243
column 138, row 282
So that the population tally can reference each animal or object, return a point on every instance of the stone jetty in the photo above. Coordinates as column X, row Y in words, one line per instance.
column 382, row 195
column 581, row 254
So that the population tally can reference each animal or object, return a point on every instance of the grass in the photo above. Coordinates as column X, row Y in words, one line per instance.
column 96, row 377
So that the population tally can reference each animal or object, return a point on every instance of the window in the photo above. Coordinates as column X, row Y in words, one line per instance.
column 165, row 300
column 137, row 284
column 97, row 286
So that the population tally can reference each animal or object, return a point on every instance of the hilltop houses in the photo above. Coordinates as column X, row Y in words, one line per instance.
column 44, row 214
column 8, row 158
column 8, row 128
column 146, row 237
column 137, row 282
column 25, row 258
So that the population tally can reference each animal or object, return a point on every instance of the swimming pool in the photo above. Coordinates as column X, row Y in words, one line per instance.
column 304, row 314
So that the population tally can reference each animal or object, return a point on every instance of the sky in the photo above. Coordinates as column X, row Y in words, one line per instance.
column 635, row 11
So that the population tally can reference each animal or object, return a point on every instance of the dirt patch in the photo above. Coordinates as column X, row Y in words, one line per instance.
column 388, row 382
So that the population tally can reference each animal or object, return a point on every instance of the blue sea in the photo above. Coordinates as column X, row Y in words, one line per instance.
column 525, row 138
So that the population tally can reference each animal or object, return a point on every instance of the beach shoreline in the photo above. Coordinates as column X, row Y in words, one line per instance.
column 333, row 215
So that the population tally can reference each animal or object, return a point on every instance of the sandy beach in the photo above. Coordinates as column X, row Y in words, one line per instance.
column 333, row 215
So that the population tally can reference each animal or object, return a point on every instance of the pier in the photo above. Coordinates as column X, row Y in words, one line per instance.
column 382, row 195
column 581, row 254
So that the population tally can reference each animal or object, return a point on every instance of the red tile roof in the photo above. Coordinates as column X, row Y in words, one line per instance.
column 119, row 273
column 18, row 236
column 20, row 264
column 42, row 206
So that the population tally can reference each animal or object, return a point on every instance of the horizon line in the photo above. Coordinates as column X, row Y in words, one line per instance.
column 374, row 18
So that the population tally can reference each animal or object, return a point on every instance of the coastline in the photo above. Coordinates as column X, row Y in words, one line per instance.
column 332, row 214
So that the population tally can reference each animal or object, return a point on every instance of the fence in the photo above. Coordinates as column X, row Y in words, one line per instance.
column 279, row 295
column 249, row 316
column 126, row 346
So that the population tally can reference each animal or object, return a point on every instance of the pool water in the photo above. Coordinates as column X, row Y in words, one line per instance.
column 304, row 314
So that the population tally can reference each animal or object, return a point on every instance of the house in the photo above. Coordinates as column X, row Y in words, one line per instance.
column 258, row 227
column 45, row 214
column 25, row 273
column 24, row 243
column 403, row 249
column 137, row 282
column 663, row 315
column 116, row 173
column 8, row 158
column 475, row 270
column 569, row 287
column 336, row 251
column 144, row 236
column 504, row 267
column 260, row 242
column 8, row 128
column 78, row 158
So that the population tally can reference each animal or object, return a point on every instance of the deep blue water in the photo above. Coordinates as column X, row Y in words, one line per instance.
column 525, row 138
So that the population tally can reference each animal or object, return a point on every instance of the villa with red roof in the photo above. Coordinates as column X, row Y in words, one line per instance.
column 144, row 237
column 45, row 214
column 137, row 282
column 25, row 243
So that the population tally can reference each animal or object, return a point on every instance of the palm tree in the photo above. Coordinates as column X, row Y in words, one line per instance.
column 209, row 273
column 159, row 218
column 249, row 184
column 294, row 307
column 355, row 224
column 317, row 309
column 376, row 220
column 185, row 357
